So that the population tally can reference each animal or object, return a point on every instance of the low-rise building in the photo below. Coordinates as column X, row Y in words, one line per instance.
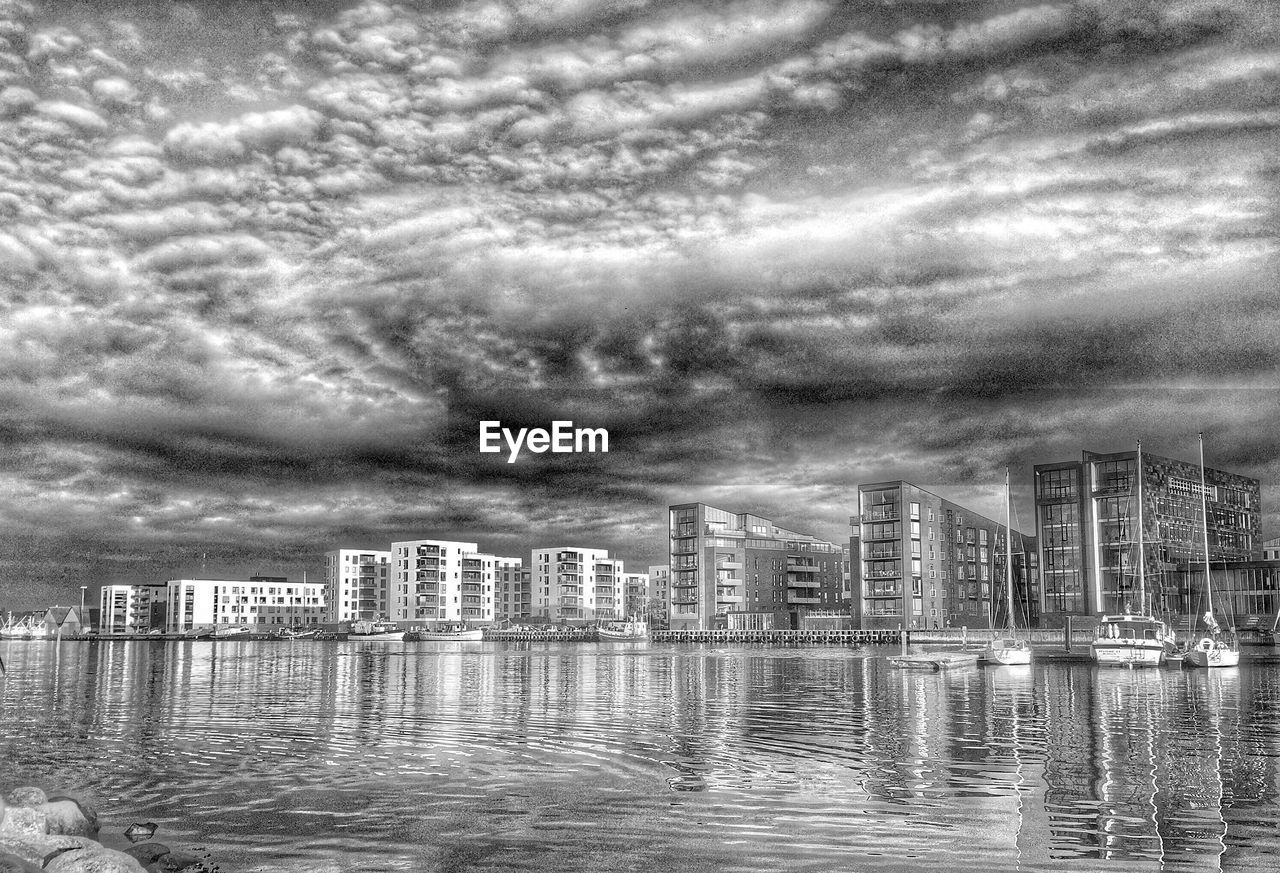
column 262, row 602
column 129, row 609
column 444, row 581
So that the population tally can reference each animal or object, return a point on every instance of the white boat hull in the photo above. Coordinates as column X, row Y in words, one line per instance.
column 1211, row 655
column 1006, row 656
column 1121, row 653
column 466, row 636
column 612, row 636
column 387, row 636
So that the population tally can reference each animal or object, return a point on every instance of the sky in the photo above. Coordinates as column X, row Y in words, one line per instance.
column 264, row 267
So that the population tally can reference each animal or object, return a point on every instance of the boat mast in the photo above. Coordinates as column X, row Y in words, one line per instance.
column 1008, row 547
column 1142, row 562
column 1204, row 512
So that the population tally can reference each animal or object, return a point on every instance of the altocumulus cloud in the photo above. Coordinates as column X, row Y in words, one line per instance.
column 259, row 290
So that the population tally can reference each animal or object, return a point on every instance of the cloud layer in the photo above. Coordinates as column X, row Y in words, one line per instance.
column 264, row 273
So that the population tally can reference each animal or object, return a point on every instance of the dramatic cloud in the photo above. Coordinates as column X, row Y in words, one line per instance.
column 264, row 273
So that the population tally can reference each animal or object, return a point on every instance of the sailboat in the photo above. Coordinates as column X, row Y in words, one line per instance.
column 1010, row 648
column 1131, row 640
column 1213, row 650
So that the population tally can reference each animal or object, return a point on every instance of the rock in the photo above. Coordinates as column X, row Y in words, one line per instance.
column 98, row 860
column 38, row 849
column 87, row 809
column 22, row 821
column 159, row 858
column 147, row 853
column 66, row 817
column 29, row 796
column 10, row 863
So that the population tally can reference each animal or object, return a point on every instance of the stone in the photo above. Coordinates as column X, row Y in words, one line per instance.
column 66, row 817
column 147, row 853
column 10, row 863
column 99, row 860
column 37, row 849
column 28, row 795
column 87, row 809
column 22, row 821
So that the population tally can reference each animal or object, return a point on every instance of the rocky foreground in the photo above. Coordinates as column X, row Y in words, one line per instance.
column 57, row 832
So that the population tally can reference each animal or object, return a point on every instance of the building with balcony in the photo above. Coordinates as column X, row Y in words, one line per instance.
column 572, row 583
column 1271, row 550
column 437, row 581
column 1087, row 516
column 925, row 561
column 513, row 599
column 131, row 609
column 635, row 587
column 659, row 606
column 262, row 602
column 357, row 584
column 740, row 570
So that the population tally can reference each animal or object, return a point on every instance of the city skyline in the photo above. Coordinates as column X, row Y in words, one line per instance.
column 265, row 271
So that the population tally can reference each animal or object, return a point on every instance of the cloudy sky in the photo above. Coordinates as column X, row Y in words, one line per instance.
column 265, row 266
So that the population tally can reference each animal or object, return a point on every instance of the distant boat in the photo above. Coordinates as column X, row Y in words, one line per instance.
column 1216, row 649
column 376, row 630
column 228, row 631
column 1010, row 649
column 298, row 633
column 456, row 632
column 934, row 661
column 13, row 629
column 623, row 631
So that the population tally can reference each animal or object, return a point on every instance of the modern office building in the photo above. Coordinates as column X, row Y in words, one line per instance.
column 1246, row 594
column 741, row 571
column 357, row 584
column 265, row 602
column 1087, row 516
column 129, row 609
column 572, row 583
column 443, row 581
column 926, row 561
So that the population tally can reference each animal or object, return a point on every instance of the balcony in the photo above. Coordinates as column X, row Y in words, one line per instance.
column 801, row 568
column 472, row 564
column 728, row 595
column 803, row 582
column 472, row 588
column 882, row 554
column 688, row 596
column 605, row 591
column 800, row 600
column 427, row 588
column 422, row 600
column 472, row 601
column 728, row 565
column 433, row 551
column 472, row 612
column 427, row 576
column 575, row 590
column 882, row 513
column 570, row 601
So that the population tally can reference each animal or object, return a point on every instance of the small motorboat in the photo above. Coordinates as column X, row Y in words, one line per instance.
column 456, row 632
column 375, row 630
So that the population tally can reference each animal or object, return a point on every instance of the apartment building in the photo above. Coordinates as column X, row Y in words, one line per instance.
column 635, row 593
column 927, row 561
column 1271, row 550
column 357, row 584
column 742, row 571
column 264, row 602
column 659, row 607
column 445, row 581
column 1087, row 515
column 573, row 583
column 127, row 609
column 512, row 590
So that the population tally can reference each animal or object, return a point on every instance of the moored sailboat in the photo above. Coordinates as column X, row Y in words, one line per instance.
column 623, row 631
column 1215, row 649
column 1133, row 640
column 1009, row 649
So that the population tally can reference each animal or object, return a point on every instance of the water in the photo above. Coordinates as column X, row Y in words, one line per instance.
column 322, row 756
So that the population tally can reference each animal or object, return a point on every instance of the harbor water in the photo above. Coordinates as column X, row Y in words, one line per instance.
column 336, row 756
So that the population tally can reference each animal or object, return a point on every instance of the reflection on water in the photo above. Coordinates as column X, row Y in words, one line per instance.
column 439, row 756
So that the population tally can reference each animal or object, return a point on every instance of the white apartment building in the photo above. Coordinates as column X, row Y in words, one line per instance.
column 357, row 584
column 660, row 590
column 635, row 593
column 511, row 589
column 127, row 609
column 443, row 581
column 572, row 583
column 262, row 601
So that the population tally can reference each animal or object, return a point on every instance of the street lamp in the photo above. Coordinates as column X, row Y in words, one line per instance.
column 83, row 588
